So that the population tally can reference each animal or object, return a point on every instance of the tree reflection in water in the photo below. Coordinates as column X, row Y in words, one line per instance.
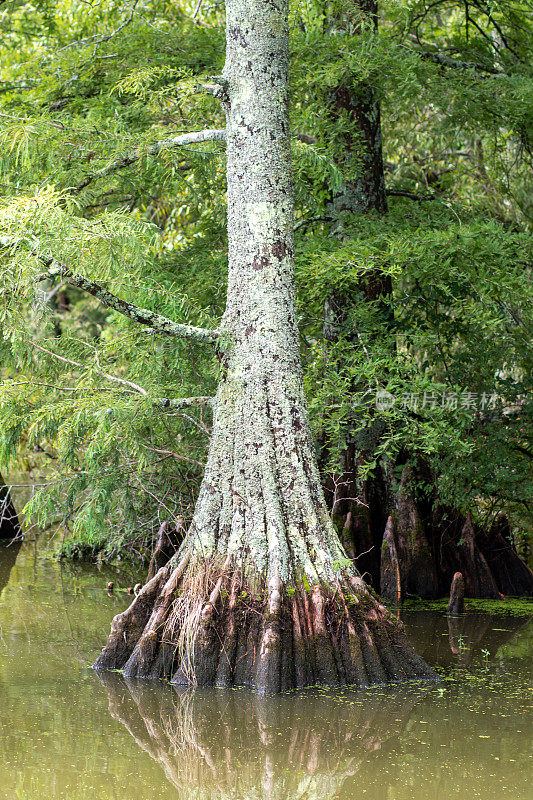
column 448, row 641
column 8, row 556
column 235, row 744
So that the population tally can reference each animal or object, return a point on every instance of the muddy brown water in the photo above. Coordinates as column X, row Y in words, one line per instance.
column 66, row 732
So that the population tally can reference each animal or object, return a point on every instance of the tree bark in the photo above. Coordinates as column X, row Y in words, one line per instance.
column 169, row 538
column 357, row 102
column 391, row 579
column 511, row 574
column 260, row 593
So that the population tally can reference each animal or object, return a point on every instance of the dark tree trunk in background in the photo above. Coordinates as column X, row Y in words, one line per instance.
column 416, row 562
column 403, row 544
column 511, row 574
column 390, row 578
column 358, row 103
column 9, row 523
column 386, row 551
column 490, row 564
column 479, row 581
column 360, row 508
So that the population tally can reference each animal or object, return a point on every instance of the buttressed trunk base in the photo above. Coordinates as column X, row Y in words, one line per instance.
column 260, row 593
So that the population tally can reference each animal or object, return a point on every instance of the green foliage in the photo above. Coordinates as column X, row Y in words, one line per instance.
column 512, row 607
column 83, row 86
column 458, row 329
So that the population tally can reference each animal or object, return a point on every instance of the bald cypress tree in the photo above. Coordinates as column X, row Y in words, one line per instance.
column 261, row 592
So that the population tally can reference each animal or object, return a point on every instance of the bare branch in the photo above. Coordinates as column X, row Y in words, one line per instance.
column 424, row 50
column 411, row 195
column 304, row 223
column 97, row 40
column 143, row 316
column 176, row 403
column 196, row 137
column 105, row 375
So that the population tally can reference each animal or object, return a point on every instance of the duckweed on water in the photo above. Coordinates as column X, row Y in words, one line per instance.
column 511, row 606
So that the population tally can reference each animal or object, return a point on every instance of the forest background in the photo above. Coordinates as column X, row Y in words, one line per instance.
column 411, row 133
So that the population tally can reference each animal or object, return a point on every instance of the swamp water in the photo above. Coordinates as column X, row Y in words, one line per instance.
column 66, row 732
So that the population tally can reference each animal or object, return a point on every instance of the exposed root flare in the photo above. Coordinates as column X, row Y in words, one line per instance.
column 203, row 625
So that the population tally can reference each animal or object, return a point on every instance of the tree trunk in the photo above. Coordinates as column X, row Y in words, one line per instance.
column 358, row 104
column 391, row 579
column 511, row 574
column 261, row 593
column 9, row 524
column 364, row 506
column 417, row 563
column 169, row 538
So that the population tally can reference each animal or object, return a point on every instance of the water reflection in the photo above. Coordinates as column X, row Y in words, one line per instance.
column 218, row 744
column 465, row 738
column 447, row 641
column 8, row 557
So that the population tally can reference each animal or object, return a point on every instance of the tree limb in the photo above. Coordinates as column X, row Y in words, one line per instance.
column 143, row 316
column 219, row 88
column 443, row 60
column 105, row 375
column 196, row 137
column 176, row 403
column 411, row 195
column 97, row 40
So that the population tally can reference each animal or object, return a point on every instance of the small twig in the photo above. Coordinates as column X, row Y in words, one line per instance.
column 420, row 198
column 97, row 40
column 195, row 137
column 105, row 375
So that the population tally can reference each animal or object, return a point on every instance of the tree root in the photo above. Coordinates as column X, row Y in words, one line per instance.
column 210, row 629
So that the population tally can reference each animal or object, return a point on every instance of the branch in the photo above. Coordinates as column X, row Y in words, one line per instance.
column 105, row 375
column 196, row 137
column 219, row 88
column 177, row 403
column 304, row 223
column 411, row 195
column 440, row 58
column 97, row 40
column 143, row 316
column 173, row 403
